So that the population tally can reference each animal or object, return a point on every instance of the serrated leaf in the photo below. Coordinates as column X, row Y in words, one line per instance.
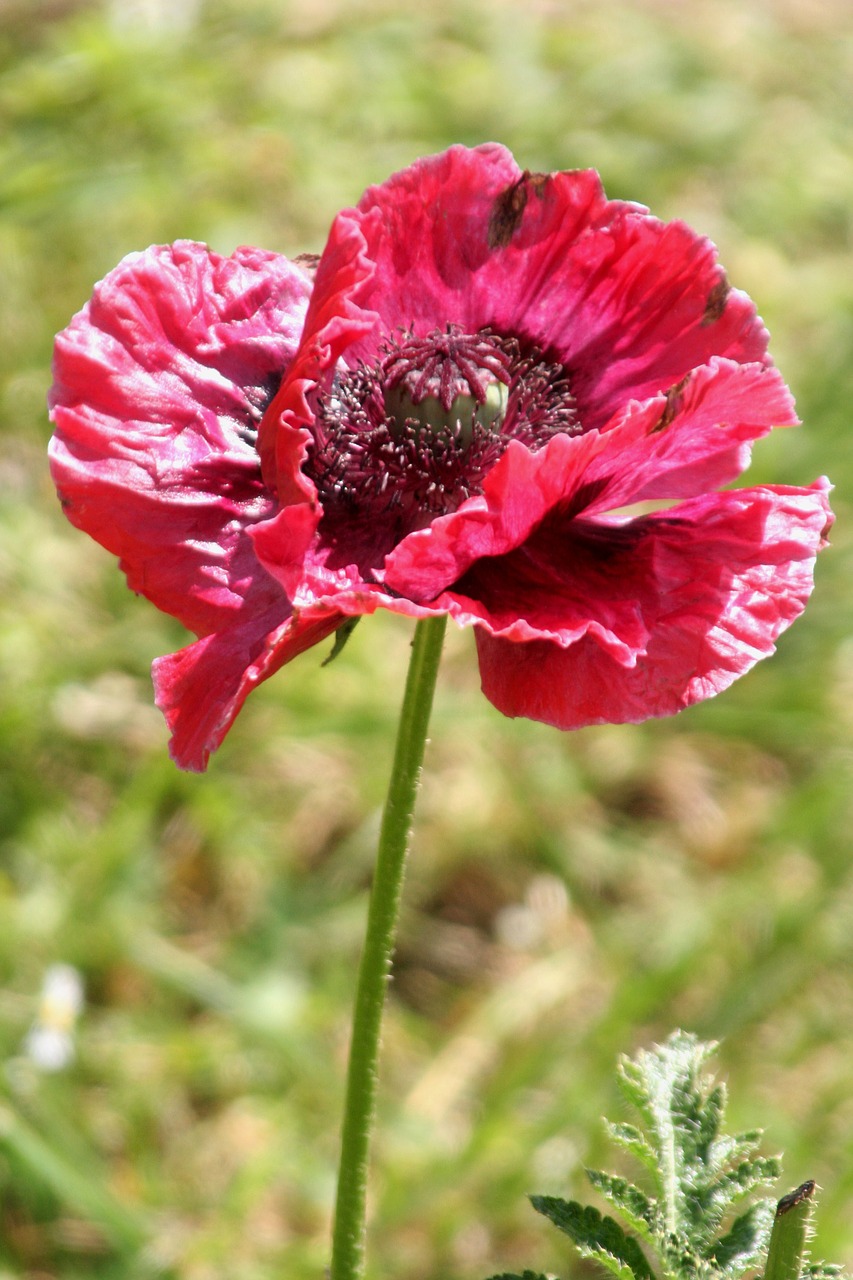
column 698, row 1173
column 728, row 1149
column 596, row 1237
column 683, row 1111
column 525, row 1275
column 634, row 1085
column 651, row 1083
column 634, row 1206
column 631, row 1139
column 744, row 1245
column 711, row 1202
column 710, row 1113
column 736, row 1183
column 680, row 1262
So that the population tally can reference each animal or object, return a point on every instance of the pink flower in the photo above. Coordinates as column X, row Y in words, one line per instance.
column 488, row 366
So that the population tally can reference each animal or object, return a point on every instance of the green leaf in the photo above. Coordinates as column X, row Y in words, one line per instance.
column 666, row 1087
column 525, row 1275
column 634, row 1206
column 744, row 1245
column 699, row 1173
column 690, row 1159
column 734, row 1148
column 596, row 1237
column 630, row 1139
column 710, row 1117
column 736, row 1183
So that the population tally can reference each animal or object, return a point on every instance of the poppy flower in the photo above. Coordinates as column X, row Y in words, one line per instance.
column 448, row 412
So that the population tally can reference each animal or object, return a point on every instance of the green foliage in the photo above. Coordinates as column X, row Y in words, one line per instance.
column 698, row 1175
column 596, row 1237
column 527, row 1275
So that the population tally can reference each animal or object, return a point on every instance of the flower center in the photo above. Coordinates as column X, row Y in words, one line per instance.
column 447, row 381
column 462, row 417
column 409, row 438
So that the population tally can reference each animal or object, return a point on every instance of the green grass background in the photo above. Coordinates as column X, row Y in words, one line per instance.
column 569, row 896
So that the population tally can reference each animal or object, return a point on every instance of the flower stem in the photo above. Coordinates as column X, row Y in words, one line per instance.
column 350, row 1210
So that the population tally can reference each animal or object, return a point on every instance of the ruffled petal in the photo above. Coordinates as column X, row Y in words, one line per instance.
column 692, row 440
column 626, row 303
column 307, row 569
column 201, row 688
column 426, row 231
column 159, row 385
column 712, row 583
column 696, row 437
column 334, row 322
column 518, row 493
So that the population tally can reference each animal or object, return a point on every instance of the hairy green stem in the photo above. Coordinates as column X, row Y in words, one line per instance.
column 349, row 1230
column 790, row 1235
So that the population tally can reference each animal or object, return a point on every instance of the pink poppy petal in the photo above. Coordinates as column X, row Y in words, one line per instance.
column 693, row 439
column 517, row 494
column 634, row 307
column 290, row 551
column 715, row 581
column 307, row 570
column 159, row 385
column 334, row 322
column 426, row 230
column 627, row 303
column 416, row 254
column 673, row 446
column 201, row 688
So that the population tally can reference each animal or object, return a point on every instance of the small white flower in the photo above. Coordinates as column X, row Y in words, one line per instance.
column 50, row 1040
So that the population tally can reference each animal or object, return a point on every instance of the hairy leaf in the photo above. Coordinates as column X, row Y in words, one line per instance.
column 596, row 1237
column 698, row 1174
column 634, row 1206
column 525, row 1275
column 630, row 1139
column 744, row 1245
column 733, row 1148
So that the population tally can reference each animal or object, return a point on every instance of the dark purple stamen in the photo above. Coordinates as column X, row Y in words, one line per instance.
column 411, row 437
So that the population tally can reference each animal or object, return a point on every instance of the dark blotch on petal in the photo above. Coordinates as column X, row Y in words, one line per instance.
column 508, row 209
column 307, row 264
column 716, row 304
column 672, row 406
column 584, row 496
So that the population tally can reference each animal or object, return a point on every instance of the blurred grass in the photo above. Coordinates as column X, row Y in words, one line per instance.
column 569, row 897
